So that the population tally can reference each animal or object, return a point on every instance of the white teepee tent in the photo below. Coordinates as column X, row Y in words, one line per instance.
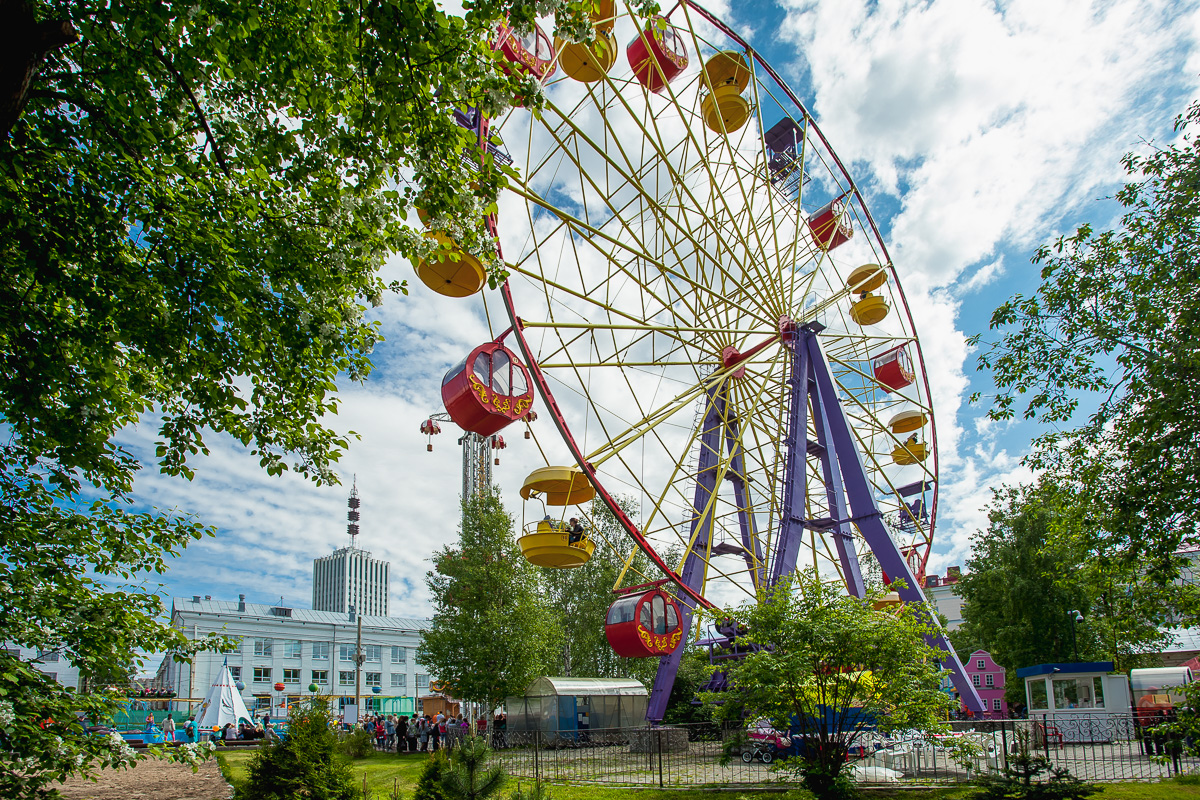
column 222, row 704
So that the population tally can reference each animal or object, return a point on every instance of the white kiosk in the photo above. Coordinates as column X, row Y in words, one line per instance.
column 1083, row 702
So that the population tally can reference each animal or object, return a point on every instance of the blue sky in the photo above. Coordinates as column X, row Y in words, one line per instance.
column 977, row 131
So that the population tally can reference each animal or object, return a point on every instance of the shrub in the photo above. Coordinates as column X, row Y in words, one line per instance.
column 469, row 777
column 1023, row 779
column 306, row 764
column 356, row 743
column 429, row 782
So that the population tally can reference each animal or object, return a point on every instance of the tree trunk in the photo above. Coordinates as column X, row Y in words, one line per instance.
column 24, row 43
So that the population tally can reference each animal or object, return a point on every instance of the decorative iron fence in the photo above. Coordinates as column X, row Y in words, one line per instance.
column 1093, row 746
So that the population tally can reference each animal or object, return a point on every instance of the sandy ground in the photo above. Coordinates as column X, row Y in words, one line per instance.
column 152, row 780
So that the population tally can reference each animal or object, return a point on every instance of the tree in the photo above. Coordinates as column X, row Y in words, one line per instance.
column 305, row 764
column 1036, row 564
column 195, row 202
column 469, row 777
column 1113, row 328
column 831, row 667
column 578, row 599
column 488, row 638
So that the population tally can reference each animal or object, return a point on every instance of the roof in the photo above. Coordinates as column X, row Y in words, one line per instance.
column 549, row 686
column 228, row 608
column 1186, row 640
column 1066, row 669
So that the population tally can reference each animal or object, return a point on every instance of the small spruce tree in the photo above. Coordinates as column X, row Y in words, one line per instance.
column 305, row 764
column 429, row 782
column 469, row 777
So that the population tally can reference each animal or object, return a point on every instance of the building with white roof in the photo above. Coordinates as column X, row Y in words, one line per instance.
column 298, row 648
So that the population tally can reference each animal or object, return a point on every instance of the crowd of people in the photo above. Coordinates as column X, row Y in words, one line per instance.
column 420, row 734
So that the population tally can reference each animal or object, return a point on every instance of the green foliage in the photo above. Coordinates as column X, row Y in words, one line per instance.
column 356, row 743
column 429, row 782
column 1028, row 776
column 832, row 666
column 1114, row 325
column 531, row 791
column 195, row 202
column 1038, row 561
column 469, row 777
column 305, row 764
column 488, row 638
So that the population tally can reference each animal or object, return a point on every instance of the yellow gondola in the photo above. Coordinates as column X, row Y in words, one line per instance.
column 587, row 63
column 724, row 108
column 911, row 452
column 559, row 486
column 548, row 544
column 869, row 309
column 908, row 421
column 453, row 274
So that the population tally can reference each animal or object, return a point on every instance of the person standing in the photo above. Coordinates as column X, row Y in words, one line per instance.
column 410, row 732
column 189, row 729
column 389, row 729
column 169, row 728
column 423, row 732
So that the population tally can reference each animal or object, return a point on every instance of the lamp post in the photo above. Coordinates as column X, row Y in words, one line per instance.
column 1076, row 618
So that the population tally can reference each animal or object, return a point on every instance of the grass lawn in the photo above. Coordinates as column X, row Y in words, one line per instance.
column 383, row 771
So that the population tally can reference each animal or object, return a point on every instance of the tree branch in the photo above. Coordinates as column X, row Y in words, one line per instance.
column 208, row 134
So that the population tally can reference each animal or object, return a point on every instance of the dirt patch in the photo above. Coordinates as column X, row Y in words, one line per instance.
column 151, row 780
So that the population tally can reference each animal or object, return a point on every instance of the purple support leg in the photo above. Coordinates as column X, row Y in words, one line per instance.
column 835, row 494
column 736, row 475
column 870, row 520
column 795, row 482
column 693, row 566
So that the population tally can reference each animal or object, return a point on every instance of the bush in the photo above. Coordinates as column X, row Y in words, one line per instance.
column 306, row 764
column 1023, row 779
column 469, row 776
column 429, row 782
column 356, row 743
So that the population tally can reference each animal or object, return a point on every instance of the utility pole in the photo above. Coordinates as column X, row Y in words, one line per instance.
column 359, row 658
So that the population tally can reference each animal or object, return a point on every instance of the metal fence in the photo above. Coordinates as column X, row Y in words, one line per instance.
column 1093, row 746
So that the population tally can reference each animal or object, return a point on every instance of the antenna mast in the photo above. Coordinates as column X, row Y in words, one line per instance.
column 352, row 514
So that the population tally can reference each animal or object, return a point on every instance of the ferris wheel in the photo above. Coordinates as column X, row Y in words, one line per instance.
column 710, row 318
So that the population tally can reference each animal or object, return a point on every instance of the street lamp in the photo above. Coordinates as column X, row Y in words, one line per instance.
column 1076, row 618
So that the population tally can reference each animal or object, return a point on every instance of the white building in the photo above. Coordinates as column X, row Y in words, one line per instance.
column 351, row 578
column 939, row 591
column 51, row 663
column 297, row 647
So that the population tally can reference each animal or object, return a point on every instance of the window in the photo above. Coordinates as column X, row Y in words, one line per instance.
column 47, row 656
column 373, row 652
column 291, row 649
column 291, row 675
column 262, row 647
column 975, row 679
column 262, row 702
column 399, row 655
column 320, row 677
column 1038, row 699
column 1074, row 693
column 345, row 678
column 233, row 647
column 51, row 675
column 320, row 651
column 996, row 704
column 236, row 672
column 346, row 652
column 262, row 674
column 989, row 679
column 399, row 680
column 422, row 681
column 373, row 678
column 980, row 664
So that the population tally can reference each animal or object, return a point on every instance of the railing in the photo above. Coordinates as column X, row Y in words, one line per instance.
column 1093, row 746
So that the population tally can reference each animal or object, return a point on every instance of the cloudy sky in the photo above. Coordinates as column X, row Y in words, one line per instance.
column 976, row 130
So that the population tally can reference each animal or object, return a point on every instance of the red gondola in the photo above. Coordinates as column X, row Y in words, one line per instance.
column 488, row 390
column 657, row 55
column 830, row 225
column 532, row 53
column 643, row 624
column 894, row 368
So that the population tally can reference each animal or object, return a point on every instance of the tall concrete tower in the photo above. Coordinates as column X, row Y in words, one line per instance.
column 350, row 576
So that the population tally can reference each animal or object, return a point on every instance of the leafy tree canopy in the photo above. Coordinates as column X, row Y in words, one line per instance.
column 1039, row 561
column 489, row 637
column 832, row 667
column 195, row 202
column 1115, row 322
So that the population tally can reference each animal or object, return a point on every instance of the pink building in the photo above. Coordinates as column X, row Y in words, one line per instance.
column 988, row 678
